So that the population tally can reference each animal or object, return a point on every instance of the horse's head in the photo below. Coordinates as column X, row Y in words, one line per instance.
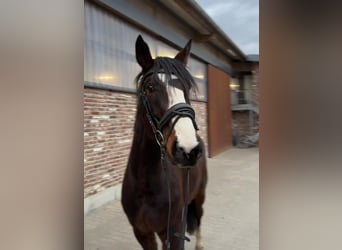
column 163, row 86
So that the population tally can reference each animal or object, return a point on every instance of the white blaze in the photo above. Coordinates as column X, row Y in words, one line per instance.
column 184, row 128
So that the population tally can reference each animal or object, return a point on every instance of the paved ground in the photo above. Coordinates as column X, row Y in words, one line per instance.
column 231, row 210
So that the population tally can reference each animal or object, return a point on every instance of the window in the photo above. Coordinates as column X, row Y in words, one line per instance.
column 109, row 49
column 199, row 72
column 109, row 52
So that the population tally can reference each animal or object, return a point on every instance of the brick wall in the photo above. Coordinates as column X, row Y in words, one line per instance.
column 201, row 119
column 255, row 86
column 108, row 132
column 241, row 124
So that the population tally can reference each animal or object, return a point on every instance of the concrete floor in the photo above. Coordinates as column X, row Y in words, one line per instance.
column 231, row 210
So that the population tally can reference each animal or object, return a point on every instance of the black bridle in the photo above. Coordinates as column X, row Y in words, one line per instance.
column 177, row 111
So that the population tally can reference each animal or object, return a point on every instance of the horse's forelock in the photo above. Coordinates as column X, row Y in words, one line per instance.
column 169, row 67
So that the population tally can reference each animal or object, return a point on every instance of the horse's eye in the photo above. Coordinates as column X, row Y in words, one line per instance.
column 150, row 88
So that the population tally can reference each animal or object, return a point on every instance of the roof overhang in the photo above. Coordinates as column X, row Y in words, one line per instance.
column 206, row 30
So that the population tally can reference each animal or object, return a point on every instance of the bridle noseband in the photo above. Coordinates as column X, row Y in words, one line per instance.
column 179, row 110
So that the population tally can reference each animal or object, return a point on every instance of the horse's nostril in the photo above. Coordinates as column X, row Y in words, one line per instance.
column 186, row 158
column 195, row 152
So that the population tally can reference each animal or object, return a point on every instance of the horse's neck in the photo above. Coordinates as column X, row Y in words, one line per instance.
column 145, row 155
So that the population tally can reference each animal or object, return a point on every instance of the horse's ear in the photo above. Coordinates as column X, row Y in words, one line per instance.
column 183, row 55
column 143, row 54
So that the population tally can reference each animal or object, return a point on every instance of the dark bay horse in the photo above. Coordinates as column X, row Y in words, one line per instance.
column 165, row 144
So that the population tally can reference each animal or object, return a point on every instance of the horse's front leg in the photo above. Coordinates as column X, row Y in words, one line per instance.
column 199, row 241
column 175, row 242
column 163, row 236
column 146, row 240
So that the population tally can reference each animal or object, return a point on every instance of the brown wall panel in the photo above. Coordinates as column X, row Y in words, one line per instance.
column 219, row 111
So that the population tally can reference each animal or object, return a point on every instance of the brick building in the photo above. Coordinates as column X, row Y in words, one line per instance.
column 110, row 68
column 245, row 102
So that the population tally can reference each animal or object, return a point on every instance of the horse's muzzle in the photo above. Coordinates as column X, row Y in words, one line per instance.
column 183, row 158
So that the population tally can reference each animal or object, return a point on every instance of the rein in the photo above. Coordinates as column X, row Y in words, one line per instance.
column 178, row 110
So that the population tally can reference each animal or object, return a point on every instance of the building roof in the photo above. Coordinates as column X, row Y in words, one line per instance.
column 186, row 14
column 252, row 58
column 207, row 30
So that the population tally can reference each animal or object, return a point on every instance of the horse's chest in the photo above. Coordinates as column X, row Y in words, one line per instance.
column 152, row 207
column 156, row 199
column 151, row 212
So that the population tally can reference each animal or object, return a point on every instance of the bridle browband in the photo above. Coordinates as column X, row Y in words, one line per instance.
column 178, row 110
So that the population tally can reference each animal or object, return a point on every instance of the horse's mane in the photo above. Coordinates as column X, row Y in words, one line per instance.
column 168, row 66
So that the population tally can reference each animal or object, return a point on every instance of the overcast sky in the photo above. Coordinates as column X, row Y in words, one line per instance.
column 239, row 19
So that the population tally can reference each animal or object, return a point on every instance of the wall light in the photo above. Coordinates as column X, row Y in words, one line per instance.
column 233, row 84
column 105, row 77
column 199, row 76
